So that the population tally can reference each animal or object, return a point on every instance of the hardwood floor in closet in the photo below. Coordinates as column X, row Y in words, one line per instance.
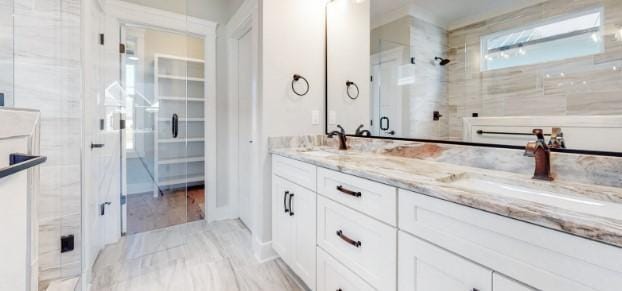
column 193, row 256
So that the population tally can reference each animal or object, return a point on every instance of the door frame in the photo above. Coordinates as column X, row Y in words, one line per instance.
column 121, row 13
column 378, row 59
column 245, row 20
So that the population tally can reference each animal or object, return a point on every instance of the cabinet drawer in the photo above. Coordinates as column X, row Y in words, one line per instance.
column 502, row 283
column 372, row 198
column 365, row 245
column 298, row 172
column 425, row 267
column 332, row 275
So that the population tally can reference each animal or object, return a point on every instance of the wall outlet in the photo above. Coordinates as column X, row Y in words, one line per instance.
column 315, row 117
column 332, row 117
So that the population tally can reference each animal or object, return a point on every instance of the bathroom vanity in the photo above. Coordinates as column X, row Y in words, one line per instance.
column 353, row 220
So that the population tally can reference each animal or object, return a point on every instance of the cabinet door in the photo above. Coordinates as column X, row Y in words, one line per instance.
column 282, row 223
column 302, row 212
column 332, row 275
column 425, row 267
column 502, row 283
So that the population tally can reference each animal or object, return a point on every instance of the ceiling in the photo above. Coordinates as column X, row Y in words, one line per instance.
column 449, row 14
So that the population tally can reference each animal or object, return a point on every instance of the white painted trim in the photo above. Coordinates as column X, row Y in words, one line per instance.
column 244, row 20
column 263, row 251
column 127, row 12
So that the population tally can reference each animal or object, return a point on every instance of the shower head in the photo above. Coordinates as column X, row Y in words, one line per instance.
column 442, row 61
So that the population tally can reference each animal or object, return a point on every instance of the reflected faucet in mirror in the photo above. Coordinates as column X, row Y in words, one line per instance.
column 362, row 132
column 539, row 150
column 557, row 140
column 342, row 137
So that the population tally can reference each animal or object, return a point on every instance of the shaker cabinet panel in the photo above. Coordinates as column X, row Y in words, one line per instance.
column 425, row 267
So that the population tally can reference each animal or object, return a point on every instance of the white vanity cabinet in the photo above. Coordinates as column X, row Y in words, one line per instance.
column 350, row 233
column 293, row 223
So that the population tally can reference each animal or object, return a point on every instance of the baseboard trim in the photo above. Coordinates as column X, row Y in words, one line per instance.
column 263, row 251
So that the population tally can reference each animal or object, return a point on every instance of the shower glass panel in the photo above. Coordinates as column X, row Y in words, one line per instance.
column 6, row 52
column 164, row 142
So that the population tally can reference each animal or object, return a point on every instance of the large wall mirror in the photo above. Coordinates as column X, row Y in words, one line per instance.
column 477, row 71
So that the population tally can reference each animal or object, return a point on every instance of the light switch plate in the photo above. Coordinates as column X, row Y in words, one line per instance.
column 332, row 117
column 315, row 117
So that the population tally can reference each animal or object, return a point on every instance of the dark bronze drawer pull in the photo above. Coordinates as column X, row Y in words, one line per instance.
column 348, row 240
column 349, row 192
column 291, row 211
column 285, row 201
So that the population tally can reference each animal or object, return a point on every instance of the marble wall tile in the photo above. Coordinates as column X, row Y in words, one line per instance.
column 47, row 77
column 579, row 86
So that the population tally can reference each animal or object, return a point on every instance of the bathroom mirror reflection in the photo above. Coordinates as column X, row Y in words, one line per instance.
column 477, row 71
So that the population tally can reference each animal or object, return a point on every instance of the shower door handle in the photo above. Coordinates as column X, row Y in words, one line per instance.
column 382, row 123
column 175, row 125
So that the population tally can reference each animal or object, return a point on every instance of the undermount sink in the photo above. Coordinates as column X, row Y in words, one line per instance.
column 575, row 197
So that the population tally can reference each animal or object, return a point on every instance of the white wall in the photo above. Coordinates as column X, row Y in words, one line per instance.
column 292, row 41
column 348, row 60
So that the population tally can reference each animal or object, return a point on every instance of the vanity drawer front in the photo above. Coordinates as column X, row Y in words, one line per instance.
column 298, row 172
column 536, row 256
column 365, row 245
column 372, row 198
column 332, row 275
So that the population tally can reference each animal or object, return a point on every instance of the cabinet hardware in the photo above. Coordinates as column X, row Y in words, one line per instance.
column 97, row 145
column 102, row 208
column 291, row 211
column 348, row 192
column 175, row 125
column 285, row 194
column 348, row 240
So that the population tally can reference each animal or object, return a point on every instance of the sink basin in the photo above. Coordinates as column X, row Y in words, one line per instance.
column 581, row 198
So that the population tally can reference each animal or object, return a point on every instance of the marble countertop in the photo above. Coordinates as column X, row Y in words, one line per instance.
column 589, row 211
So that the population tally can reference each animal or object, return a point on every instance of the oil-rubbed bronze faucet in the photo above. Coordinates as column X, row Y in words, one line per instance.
column 362, row 132
column 542, row 154
column 342, row 137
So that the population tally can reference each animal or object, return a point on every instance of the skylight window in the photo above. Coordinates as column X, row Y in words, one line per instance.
column 562, row 38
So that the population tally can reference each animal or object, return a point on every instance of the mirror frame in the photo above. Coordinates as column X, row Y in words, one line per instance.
column 462, row 143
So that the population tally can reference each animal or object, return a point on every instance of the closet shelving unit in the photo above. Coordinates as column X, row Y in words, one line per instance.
column 179, row 84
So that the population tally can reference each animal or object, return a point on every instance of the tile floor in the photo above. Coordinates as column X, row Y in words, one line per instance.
column 193, row 256
column 145, row 212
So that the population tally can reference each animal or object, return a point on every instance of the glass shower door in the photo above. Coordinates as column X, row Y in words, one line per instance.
column 164, row 136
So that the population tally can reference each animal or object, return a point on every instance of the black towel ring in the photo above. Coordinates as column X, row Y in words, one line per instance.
column 348, row 85
column 296, row 79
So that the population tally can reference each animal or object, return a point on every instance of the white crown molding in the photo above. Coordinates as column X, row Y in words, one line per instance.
column 134, row 13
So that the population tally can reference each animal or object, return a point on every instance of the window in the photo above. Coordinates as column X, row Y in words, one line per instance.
column 565, row 37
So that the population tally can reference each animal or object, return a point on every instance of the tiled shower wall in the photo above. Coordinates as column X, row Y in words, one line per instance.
column 47, row 78
column 6, row 51
column 589, row 85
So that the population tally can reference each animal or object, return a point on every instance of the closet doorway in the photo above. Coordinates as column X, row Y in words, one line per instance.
column 163, row 141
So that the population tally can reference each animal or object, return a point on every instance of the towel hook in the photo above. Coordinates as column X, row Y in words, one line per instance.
column 350, row 84
column 296, row 79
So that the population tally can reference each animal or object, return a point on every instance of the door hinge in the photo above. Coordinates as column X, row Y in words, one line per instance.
column 121, row 48
column 123, row 199
column 101, row 39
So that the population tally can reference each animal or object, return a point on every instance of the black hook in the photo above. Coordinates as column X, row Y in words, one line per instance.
column 348, row 85
column 296, row 79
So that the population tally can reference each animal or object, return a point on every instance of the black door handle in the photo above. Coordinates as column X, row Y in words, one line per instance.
column 285, row 194
column 291, row 211
column 97, row 145
column 102, row 208
column 175, row 125
column 382, row 127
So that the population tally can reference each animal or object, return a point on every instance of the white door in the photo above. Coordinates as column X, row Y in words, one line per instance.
column 425, row 267
column 387, row 94
column 245, row 111
column 303, row 212
column 282, row 223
